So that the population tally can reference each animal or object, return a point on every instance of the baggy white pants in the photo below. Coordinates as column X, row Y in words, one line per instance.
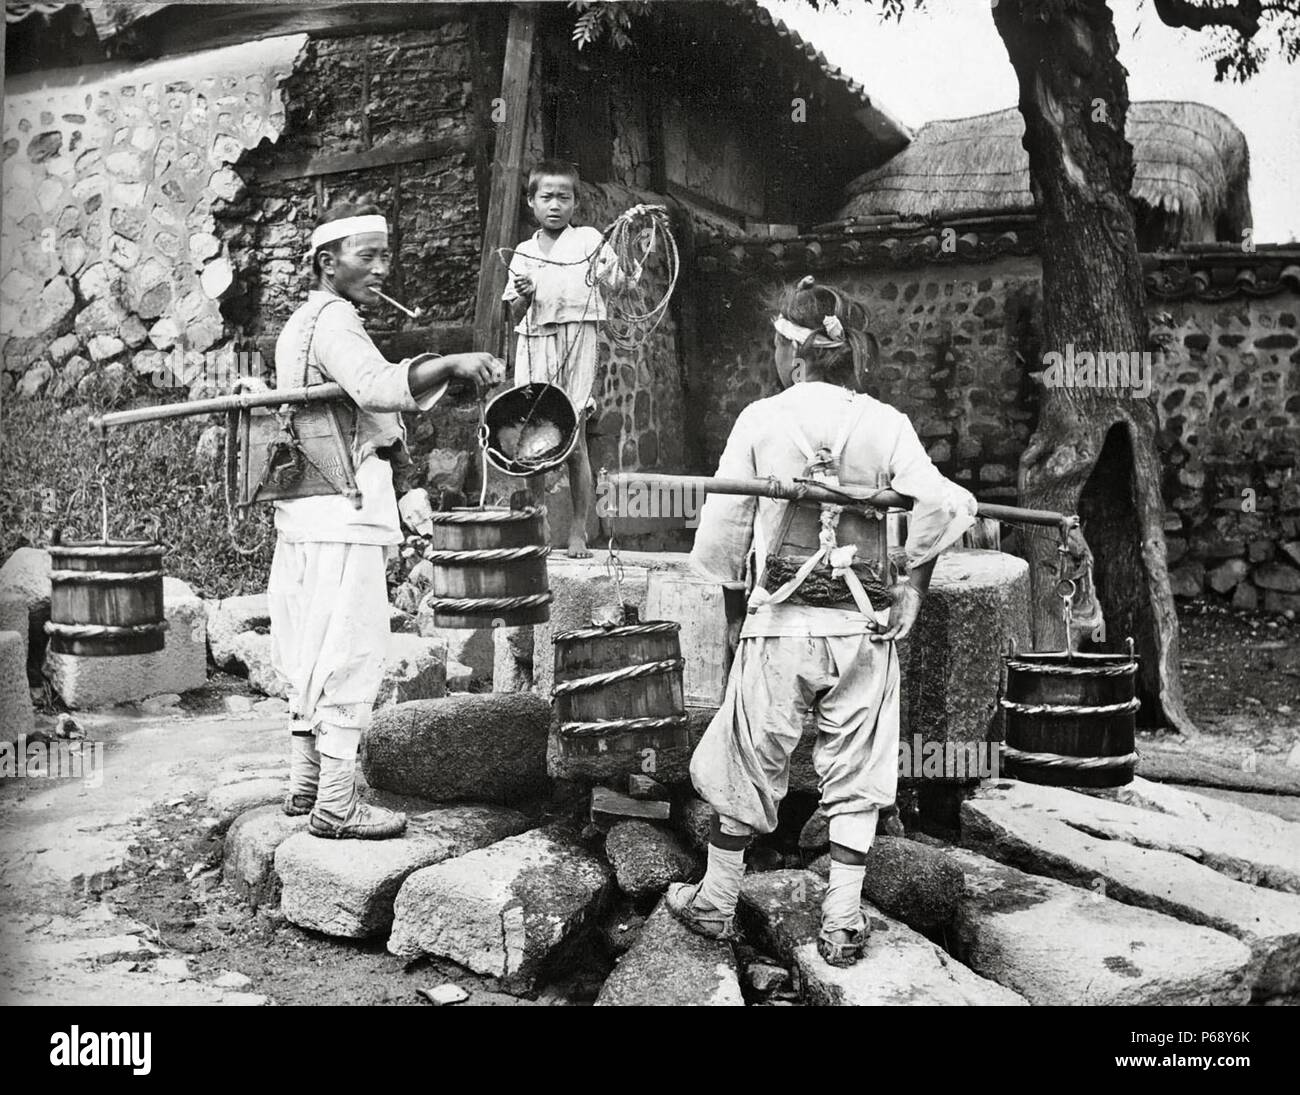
column 850, row 684
column 329, row 636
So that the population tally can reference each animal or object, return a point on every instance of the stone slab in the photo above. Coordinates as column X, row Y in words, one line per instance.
column 17, row 717
column 647, row 858
column 781, row 910
column 1259, row 849
column 248, row 857
column 346, row 888
column 671, row 966
column 1056, row 944
column 503, row 910
column 1266, row 920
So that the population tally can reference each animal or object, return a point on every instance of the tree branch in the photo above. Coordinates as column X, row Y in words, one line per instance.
column 1242, row 16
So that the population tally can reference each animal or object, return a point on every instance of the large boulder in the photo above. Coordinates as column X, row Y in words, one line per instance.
column 647, row 858
column 229, row 618
column 671, row 966
column 181, row 666
column 781, row 911
column 328, row 887
column 505, row 910
column 1058, row 944
column 488, row 747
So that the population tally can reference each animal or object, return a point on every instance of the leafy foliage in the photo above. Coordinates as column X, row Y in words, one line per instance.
column 49, row 457
column 598, row 18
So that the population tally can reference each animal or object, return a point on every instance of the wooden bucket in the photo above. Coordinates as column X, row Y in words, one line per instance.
column 619, row 690
column 489, row 568
column 1070, row 718
column 106, row 598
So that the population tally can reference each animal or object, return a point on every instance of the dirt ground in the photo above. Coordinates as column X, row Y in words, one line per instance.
column 112, row 894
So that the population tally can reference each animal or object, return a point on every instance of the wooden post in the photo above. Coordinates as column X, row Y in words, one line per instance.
column 503, row 205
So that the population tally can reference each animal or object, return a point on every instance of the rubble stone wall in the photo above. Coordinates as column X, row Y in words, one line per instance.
column 955, row 343
column 110, row 178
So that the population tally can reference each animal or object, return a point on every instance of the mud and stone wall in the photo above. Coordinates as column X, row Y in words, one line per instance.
column 957, row 344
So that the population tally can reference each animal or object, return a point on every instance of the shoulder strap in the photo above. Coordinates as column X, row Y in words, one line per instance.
column 851, row 420
column 304, row 364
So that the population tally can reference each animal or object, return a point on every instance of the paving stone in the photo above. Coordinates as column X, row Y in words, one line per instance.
column 249, row 854
column 346, row 888
column 1058, row 944
column 1266, row 920
column 228, row 801
column 485, row 747
column 671, row 966
column 504, row 910
column 781, row 910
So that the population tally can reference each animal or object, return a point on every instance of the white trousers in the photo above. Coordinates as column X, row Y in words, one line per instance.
column 850, row 684
column 329, row 636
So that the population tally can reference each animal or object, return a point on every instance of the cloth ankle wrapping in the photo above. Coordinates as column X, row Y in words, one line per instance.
column 842, row 905
column 720, row 889
column 338, row 789
column 304, row 765
column 855, row 831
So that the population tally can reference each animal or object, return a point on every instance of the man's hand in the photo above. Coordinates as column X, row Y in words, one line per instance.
column 902, row 613
column 483, row 369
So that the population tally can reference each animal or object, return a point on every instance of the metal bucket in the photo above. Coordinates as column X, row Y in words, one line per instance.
column 525, row 415
column 1070, row 718
column 106, row 598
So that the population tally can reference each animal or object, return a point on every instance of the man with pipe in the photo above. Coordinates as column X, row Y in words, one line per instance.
column 327, row 590
column 824, row 613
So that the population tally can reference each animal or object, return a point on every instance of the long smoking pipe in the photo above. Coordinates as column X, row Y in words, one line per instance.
column 805, row 490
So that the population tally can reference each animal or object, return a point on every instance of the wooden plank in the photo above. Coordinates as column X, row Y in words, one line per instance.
column 384, row 156
column 184, row 28
column 699, row 607
column 396, row 345
column 503, row 204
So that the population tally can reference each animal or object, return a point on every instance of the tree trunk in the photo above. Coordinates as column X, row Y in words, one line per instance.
column 1093, row 452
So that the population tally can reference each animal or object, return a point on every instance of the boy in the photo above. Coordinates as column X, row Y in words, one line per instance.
column 557, row 315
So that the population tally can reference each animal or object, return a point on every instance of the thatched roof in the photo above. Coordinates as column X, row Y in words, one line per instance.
column 1191, row 167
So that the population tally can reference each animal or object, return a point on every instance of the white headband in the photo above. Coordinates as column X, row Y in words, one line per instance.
column 799, row 335
column 348, row 226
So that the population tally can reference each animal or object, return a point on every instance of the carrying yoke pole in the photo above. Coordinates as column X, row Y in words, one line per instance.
column 316, row 393
column 805, row 490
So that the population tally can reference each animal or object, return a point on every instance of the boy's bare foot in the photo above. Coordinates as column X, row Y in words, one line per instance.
column 577, row 548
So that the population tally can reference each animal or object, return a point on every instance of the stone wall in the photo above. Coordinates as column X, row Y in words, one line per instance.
column 111, row 175
column 955, row 343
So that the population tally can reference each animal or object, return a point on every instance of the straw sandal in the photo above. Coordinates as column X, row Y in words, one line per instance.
column 843, row 954
column 680, row 898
